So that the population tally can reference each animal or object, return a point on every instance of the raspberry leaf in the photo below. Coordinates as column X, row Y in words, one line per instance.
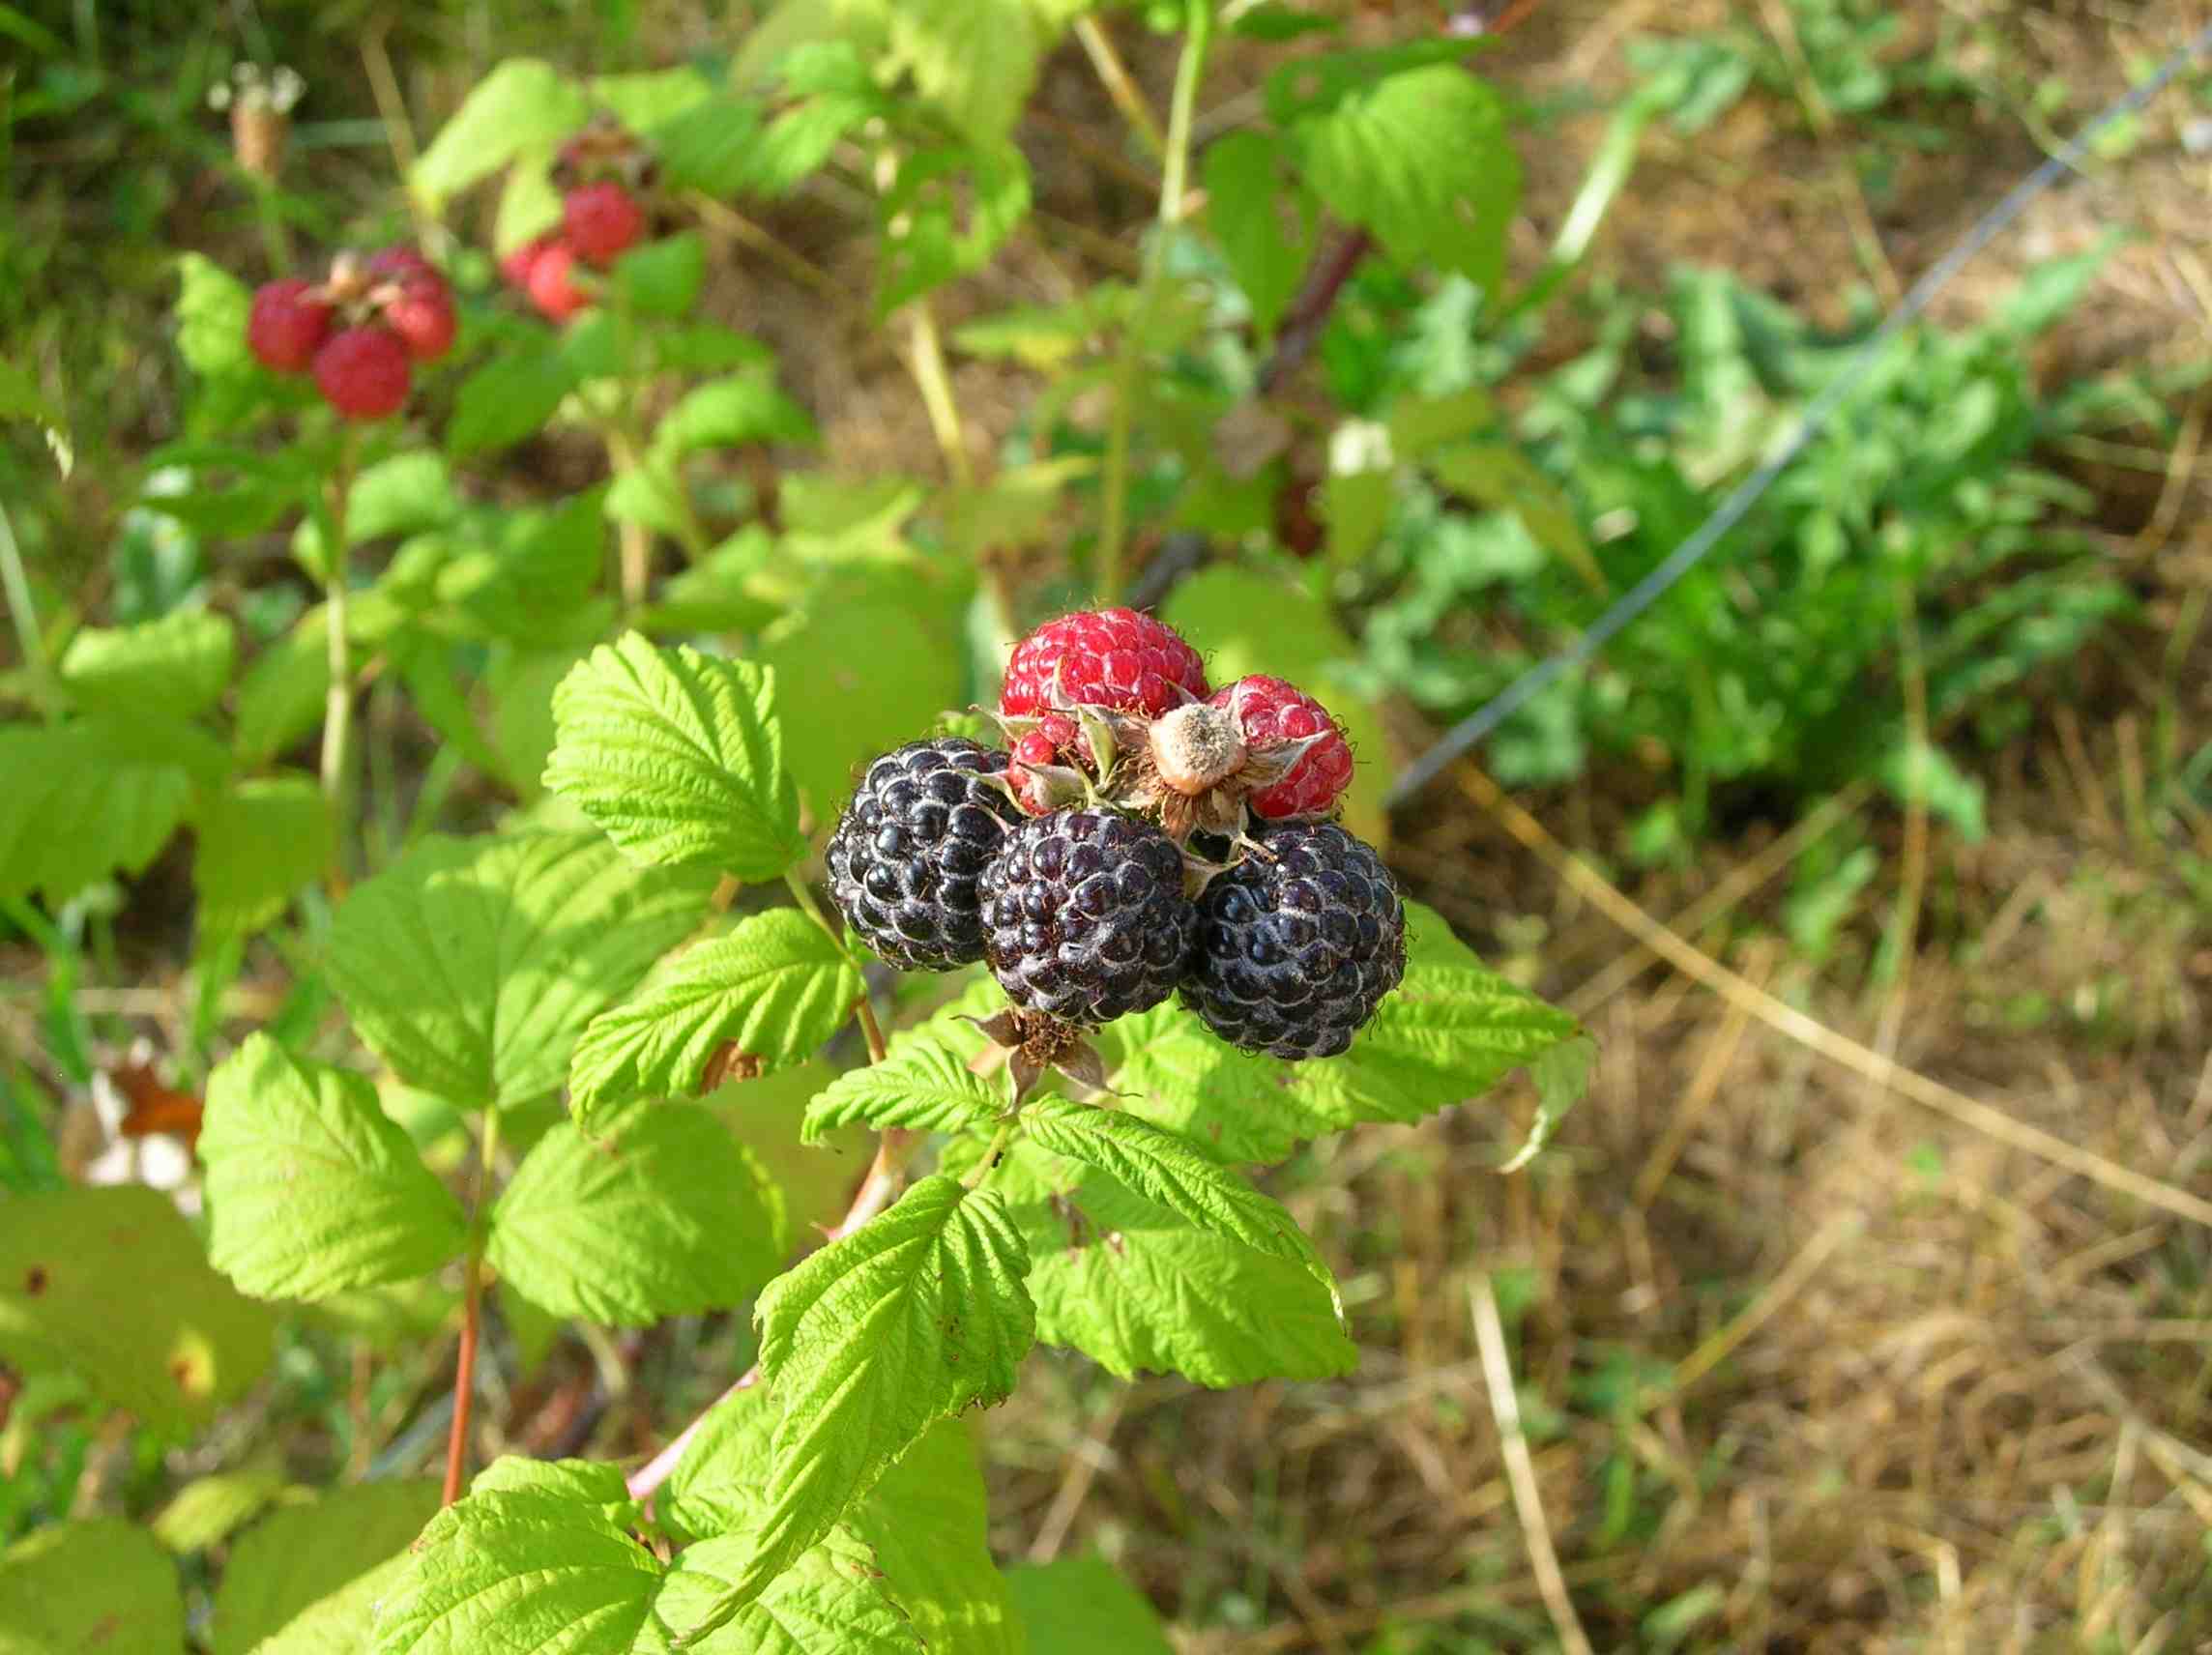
column 775, row 988
column 1448, row 1032
column 311, row 1187
column 314, row 1569
column 661, row 278
column 257, row 844
column 523, row 103
column 922, row 1086
column 1080, row 1606
column 927, row 1519
column 916, row 1316
column 1423, row 160
column 113, row 1282
column 1139, row 1289
column 1165, row 1171
column 1171, row 1069
column 89, row 1585
column 745, row 407
column 473, row 966
column 1243, row 210
column 658, row 1212
column 81, row 800
column 180, row 664
column 679, row 758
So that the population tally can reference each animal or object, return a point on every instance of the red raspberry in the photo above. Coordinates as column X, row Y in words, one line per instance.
column 1270, row 712
column 601, row 222
column 363, row 373
column 516, row 266
column 285, row 326
column 1054, row 741
column 553, row 285
column 402, row 264
column 1102, row 657
column 423, row 317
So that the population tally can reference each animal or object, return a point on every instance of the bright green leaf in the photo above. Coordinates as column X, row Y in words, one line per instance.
column 512, row 396
column 655, row 1211
column 728, row 413
column 208, row 1510
column 1081, row 1605
column 212, row 310
column 258, row 843
column 943, row 216
column 916, row 1316
column 1167, row 1068
column 651, row 99
column 775, row 988
column 177, row 665
column 84, row 1588
column 81, row 800
column 472, row 965
column 833, row 1601
column 679, row 758
column 660, row 277
column 1423, row 160
column 111, row 1282
column 521, row 103
column 402, row 495
column 282, row 694
column 974, row 59
column 284, row 1572
column 1137, row 1289
column 921, row 1085
column 1244, row 210
column 311, row 1187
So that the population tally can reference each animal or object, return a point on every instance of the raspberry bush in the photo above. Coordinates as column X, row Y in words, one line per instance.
column 548, row 529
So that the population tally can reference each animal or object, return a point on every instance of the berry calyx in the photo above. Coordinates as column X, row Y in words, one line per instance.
column 600, row 222
column 285, row 326
column 1298, row 944
column 363, row 373
column 553, row 285
column 1281, row 722
column 1085, row 916
column 1114, row 659
column 907, row 852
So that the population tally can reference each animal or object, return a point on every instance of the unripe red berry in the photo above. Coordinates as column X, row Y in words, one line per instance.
column 285, row 326
column 553, row 287
column 363, row 373
column 516, row 266
column 600, row 222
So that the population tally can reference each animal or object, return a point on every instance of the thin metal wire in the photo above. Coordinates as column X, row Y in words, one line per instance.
column 1731, row 512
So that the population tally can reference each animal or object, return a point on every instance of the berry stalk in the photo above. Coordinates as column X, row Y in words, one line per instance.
column 471, row 1315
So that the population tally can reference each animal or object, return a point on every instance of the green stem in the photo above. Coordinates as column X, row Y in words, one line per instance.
column 870, row 1030
column 25, row 615
column 1112, row 532
column 338, row 702
column 472, row 1314
column 983, row 1168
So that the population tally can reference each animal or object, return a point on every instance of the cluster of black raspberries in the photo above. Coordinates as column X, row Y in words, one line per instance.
column 1141, row 834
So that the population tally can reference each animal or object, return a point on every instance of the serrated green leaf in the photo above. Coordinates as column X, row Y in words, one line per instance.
column 1081, row 1605
column 660, row 277
column 529, row 200
column 311, row 1187
column 1167, row 1066
column 656, row 1211
column 1138, row 1289
column 1448, row 1032
column 679, row 758
column 974, row 59
column 944, row 214
column 522, row 1569
column 512, row 396
column 472, row 965
column 523, row 102
column 177, row 665
column 652, row 98
column 707, row 347
column 1423, row 160
column 834, row 1601
column 711, row 147
column 776, row 988
column 727, row 412
column 927, row 1518
column 532, row 582
column 296, row 1577
column 111, row 1283
column 1304, row 88
column 80, row 1588
column 651, row 496
column 921, row 1085
column 1245, row 211
column 402, row 495
column 428, row 665
column 916, row 1316
column 1161, row 1168
column 258, row 843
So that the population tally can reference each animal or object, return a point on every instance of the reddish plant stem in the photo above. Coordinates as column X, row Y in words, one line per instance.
column 464, row 1382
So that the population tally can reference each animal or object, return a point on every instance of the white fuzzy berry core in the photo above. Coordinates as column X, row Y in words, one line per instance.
column 1195, row 746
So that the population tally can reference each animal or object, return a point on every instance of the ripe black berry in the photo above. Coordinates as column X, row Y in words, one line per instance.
column 1084, row 916
column 903, row 863
column 1295, row 953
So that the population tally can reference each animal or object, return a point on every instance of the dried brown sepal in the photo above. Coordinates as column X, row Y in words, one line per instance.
column 1027, row 1045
